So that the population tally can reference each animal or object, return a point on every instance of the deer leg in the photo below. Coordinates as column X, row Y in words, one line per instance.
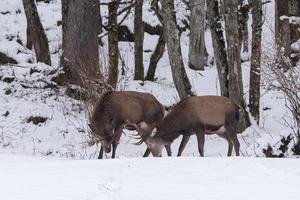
column 201, row 139
column 184, row 141
column 228, row 139
column 232, row 133
column 116, row 140
column 168, row 148
column 235, row 142
column 115, row 143
column 147, row 152
column 101, row 153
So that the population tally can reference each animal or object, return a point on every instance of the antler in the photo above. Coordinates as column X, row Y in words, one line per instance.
column 140, row 132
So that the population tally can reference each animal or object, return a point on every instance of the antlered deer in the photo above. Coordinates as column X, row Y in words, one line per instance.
column 113, row 112
column 197, row 115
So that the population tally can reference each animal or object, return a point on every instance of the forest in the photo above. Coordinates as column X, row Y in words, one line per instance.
column 88, row 88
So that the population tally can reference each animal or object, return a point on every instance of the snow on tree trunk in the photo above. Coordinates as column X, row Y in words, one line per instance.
column 113, row 49
column 234, row 61
column 197, row 28
column 255, row 70
column 36, row 36
column 80, row 56
column 219, row 47
column 138, row 41
column 172, row 39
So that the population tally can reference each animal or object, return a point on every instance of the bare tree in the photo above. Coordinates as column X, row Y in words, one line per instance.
column 172, row 39
column 155, row 57
column 197, row 29
column 80, row 56
column 255, row 71
column 220, row 54
column 234, row 61
column 113, row 49
column 160, row 46
column 138, row 40
column 36, row 36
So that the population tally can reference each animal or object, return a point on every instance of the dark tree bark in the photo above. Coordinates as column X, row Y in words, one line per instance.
column 113, row 49
column 155, row 57
column 80, row 56
column 215, row 20
column 286, row 37
column 152, row 30
column 172, row 39
column 197, row 27
column 255, row 70
column 245, row 39
column 138, row 41
column 36, row 36
column 125, row 35
column 234, row 61
column 5, row 59
column 29, row 35
column 282, row 31
column 281, row 9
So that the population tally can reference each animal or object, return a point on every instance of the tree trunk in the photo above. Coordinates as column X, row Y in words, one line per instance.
column 281, row 9
column 234, row 61
column 138, row 41
column 255, row 70
column 281, row 28
column 80, row 56
column 245, row 39
column 220, row 54
column 29, row 35
column 282, row 31
column 197, row 27
column 286, row 37
column 113, row 49
column 243, row 24
column 36, row 36
column 155, row 57
column 172, row 39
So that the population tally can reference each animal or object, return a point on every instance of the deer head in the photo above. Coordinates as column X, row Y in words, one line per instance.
column 100, row 136
column 155, row 144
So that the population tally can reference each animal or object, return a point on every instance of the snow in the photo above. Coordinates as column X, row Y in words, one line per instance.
column 63, row 165
column 27, row 178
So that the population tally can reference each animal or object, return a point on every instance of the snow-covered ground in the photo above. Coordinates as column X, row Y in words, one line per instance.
column 28, row 178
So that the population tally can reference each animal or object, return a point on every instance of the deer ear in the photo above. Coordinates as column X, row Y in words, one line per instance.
column 153, row 133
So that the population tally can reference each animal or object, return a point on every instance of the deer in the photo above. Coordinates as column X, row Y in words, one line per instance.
column 198, row 115
column 118, row 110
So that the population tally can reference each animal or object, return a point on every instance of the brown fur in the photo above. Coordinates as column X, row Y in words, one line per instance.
column 116, row 108
column 199, row 115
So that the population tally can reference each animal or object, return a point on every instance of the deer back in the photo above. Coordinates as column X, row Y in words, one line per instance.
column 209, row 112
column 122, row 106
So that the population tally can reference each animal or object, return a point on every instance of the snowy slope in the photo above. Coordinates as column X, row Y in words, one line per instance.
column 27, row 178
